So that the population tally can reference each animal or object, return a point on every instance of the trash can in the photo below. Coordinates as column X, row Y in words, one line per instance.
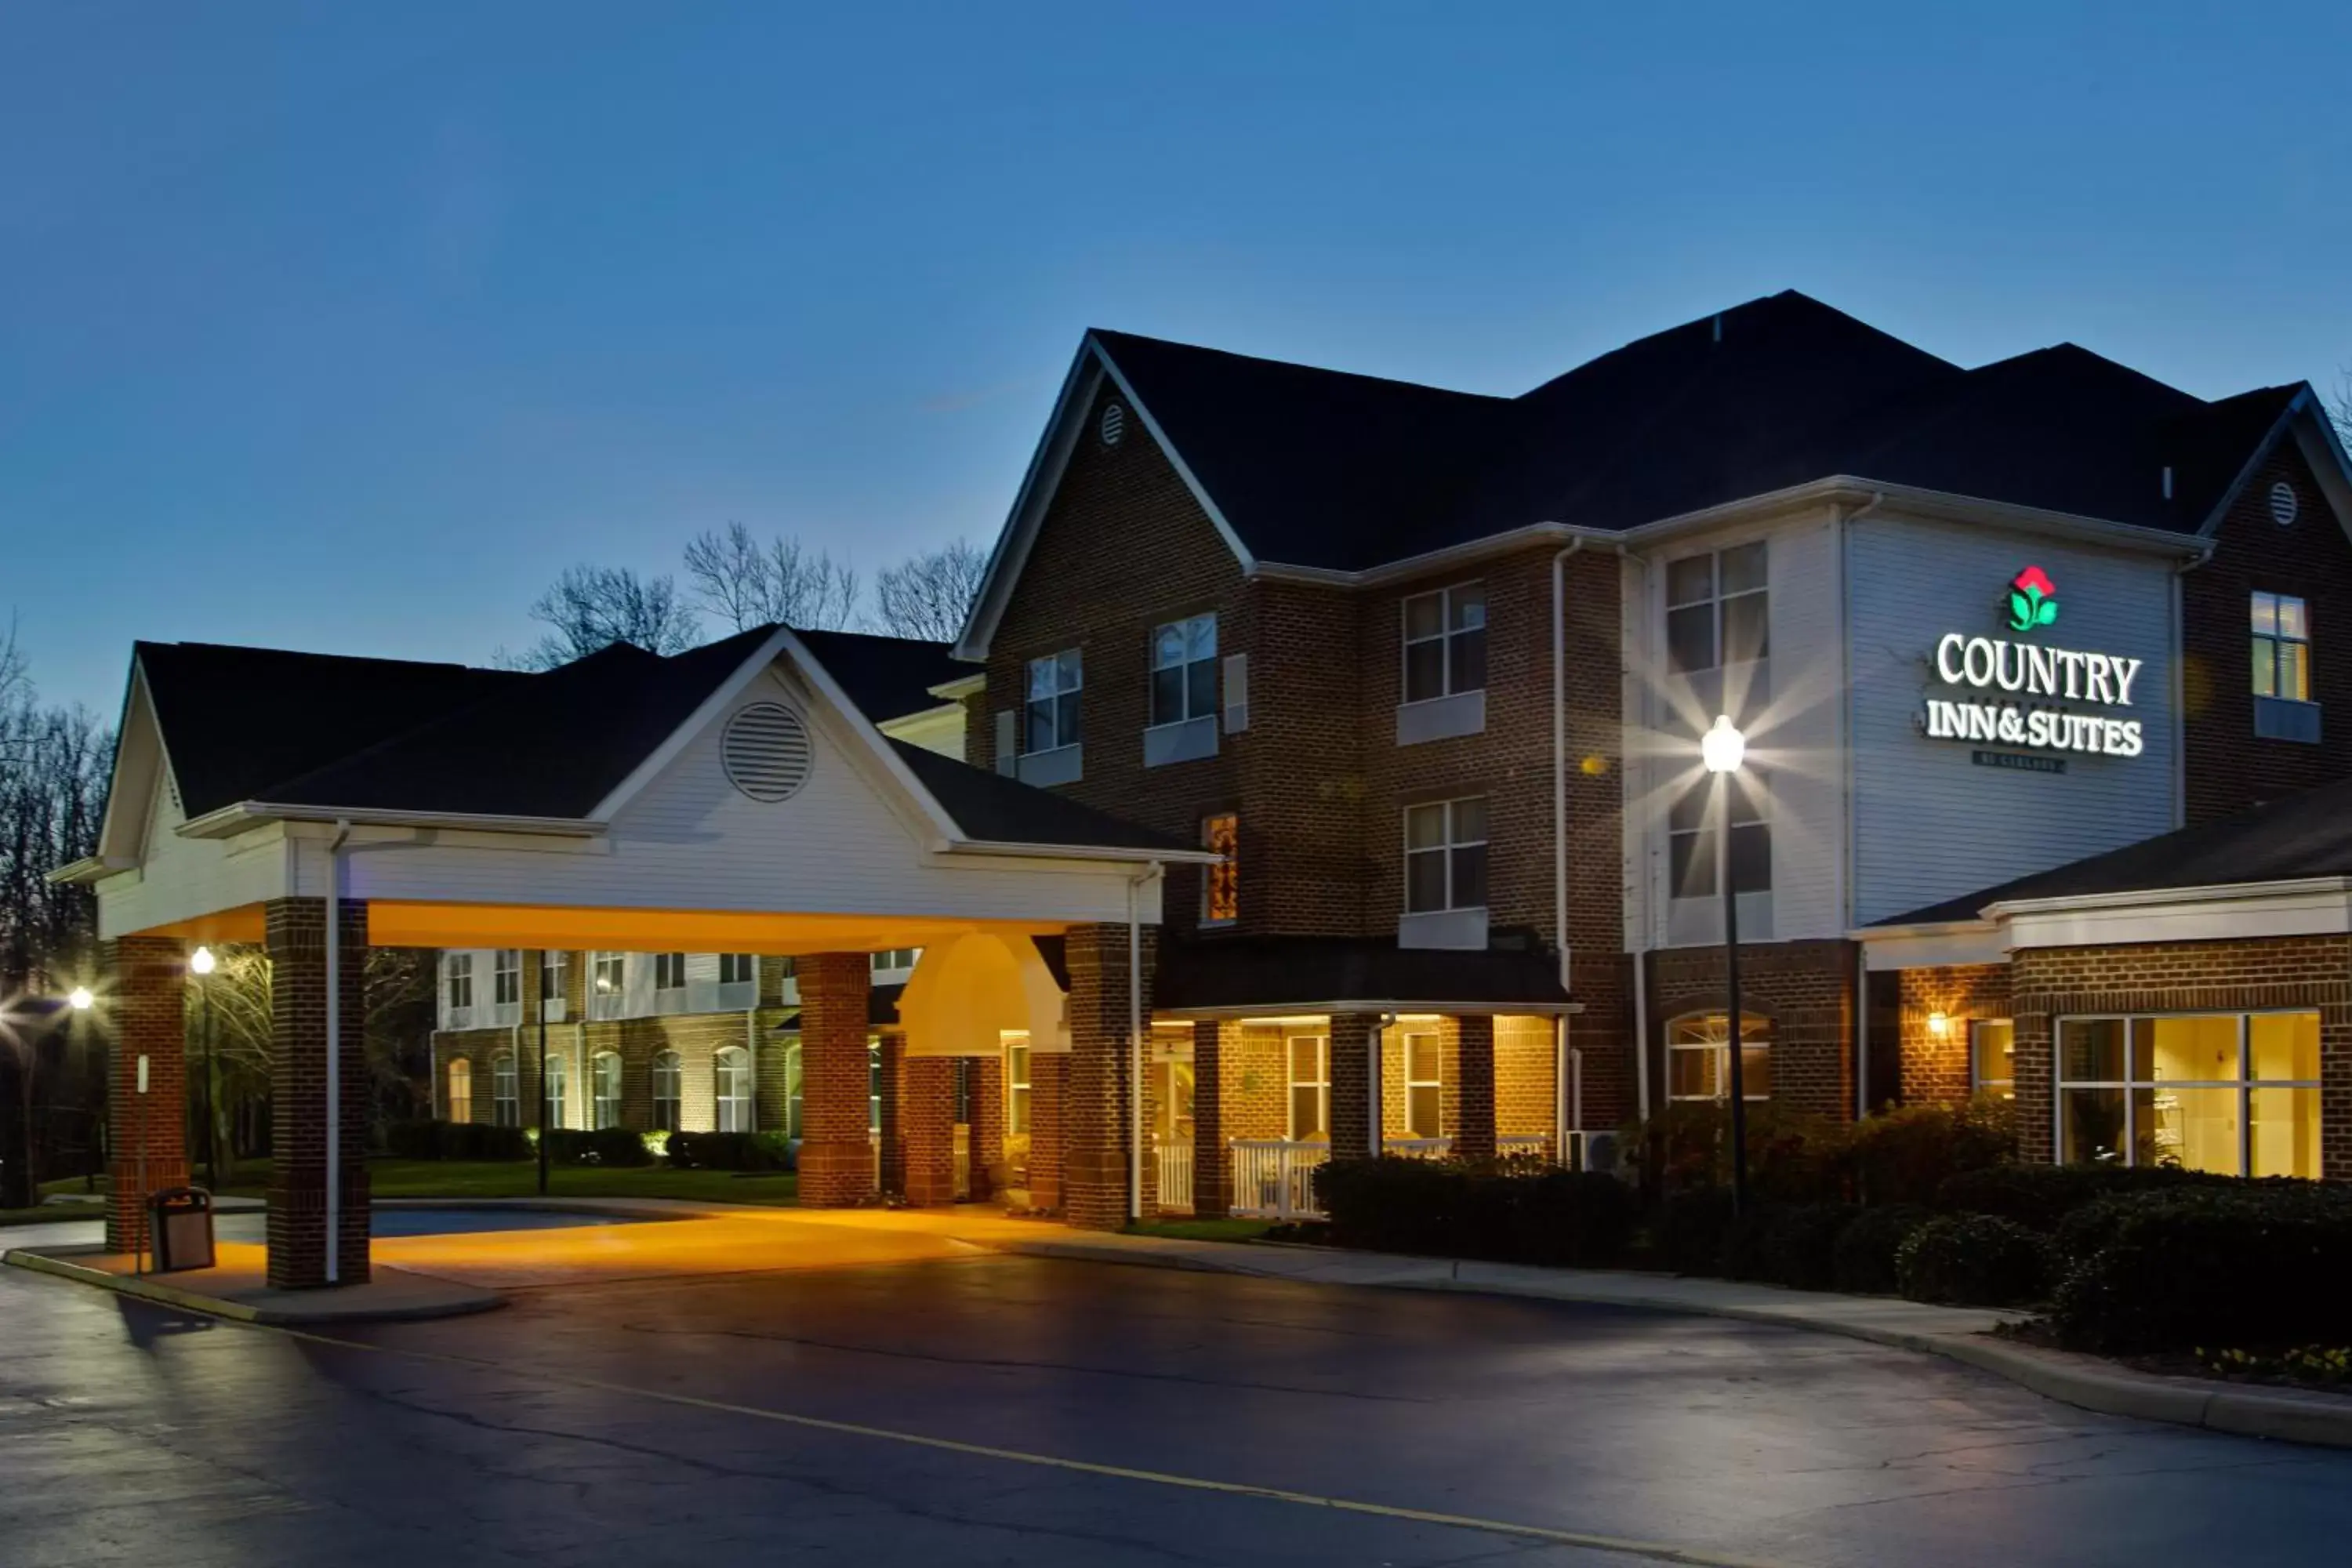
column 180, row 1219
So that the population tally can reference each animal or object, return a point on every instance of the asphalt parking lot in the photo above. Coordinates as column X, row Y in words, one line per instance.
column 932, row 1409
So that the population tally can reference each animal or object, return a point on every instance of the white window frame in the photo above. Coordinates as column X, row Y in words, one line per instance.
column 1719, row 599
column 1748, row 816
column 732, row 1105
column 457, row 980
column 2278, row 641
column 1191, row 655
column 506, row 977
column 1446, row 850
column 1721, row 1051
column 892, row 965
column 1064, row 677
column 1437, row 1084
column 605, row 1108
column 555, row 1093
column 739, row 968
column 668, row 1075
column 669, row 973
column 506, row 1090
column 1446, row 635
column 608, row 976
column 1320, row 1084
column 1017, row 1064
column 2245, row 1084
column 1979, row 1084
column 554, row 971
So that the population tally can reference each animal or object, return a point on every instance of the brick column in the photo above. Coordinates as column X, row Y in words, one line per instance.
column 1048, row 1076
column 1354, row 1041
column 891, row 1166
column 1098, row 1091
column 150, row 977
column 1474, row 1132
column 927, row 1130
column 836, row 1160
column 987, row 1125
column 1213, row 1170
column 297, row 939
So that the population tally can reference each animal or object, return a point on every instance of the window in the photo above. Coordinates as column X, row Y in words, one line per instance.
column 1691, row 853
column 460, row 1104
column 557, row 1092
column 1445, row 642
column 669, row 1080
column 1716, row 609
column 604, row 1078
column 670, row 972
column 1698, row 1065
column 1054, row 683
column 1310, row 1086
column 1184, row 670
column 2232, row 1092
column 873, row 1085
column 608, row 974
column 1445, row 856
column 2281, row 648
column 1992, row 1051
column 896, row 960
column 731, row 1068
column 1424, row 1095
column 1171, row 1095
column 1221, row 899
column 506, row 1096
column 793, row 1086
column 506, row 977
column 1016, row 1087
column 458, row 978
column 552, row 970
column 738, row 969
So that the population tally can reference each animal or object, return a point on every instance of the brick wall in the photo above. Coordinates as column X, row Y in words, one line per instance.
column 298, row 1239
column 1097, row 1105
column 1805, row 988
column 1527, row 1076
column 1935, row 1067
column 149, row 1002
column 836, row 1152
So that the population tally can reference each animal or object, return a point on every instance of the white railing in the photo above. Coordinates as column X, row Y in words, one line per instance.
column 1273, row 1178
column 1175, row 1161
column 1419, row 1148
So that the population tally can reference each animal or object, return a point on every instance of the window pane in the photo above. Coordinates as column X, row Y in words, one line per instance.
column 1065, row 721
column 2091, row 1051
column 1425, row 1111
column 1743, row 569
column 1168, row 695
column 2265, row 613
column 2291, row 622
column 1424, row 880
column 1305, row 1059
column 2265, row 667
column 1755, row 1071
column 1470, row 660
column 1200, row 637
column 1070, row 670
column 1470, row 820
column 1751, row 860
column 1691, row 1072
column 2285, row 1123
column 1424, row 670
column 1691, row 809
column 2202, row 1048
column 1424, row 615
column 1167, row 646
column 2193, row 1128
column 1424, row 825
column 1305, row 1111
column 2295, row 670
column 1691, row 865
column 1468, row 605
column 2284, row 1044
column 1040, row 677
column 1470, row 876
column 1202, row 677
column 1041, row 727
column 1744, row 628
column 1422, row 1057
column 1690, row 639
column 1690, row 580
column 2094, row 1123
column 1746, row 799
column 1992, row 1047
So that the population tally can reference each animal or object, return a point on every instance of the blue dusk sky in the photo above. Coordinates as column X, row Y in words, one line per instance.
column 345, row 327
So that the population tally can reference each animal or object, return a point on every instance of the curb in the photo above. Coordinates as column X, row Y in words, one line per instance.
column 151, row 1289
column 2322, row 1419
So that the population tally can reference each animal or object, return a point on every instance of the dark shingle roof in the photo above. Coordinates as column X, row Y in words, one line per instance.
column 1276, row 972
column 2306, row 835
column 993, row 808
column 887, row 678
column 1318, row 467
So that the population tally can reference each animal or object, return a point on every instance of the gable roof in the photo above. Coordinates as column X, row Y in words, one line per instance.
column 2304, row 836
column 887, row 678
column 993, row 809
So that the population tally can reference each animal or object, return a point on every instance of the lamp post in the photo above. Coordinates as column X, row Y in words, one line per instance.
column 201, row 963
column 1723, row 748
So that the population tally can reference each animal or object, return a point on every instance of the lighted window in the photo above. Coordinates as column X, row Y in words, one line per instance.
column 2232, row 1092
column 1221, row 896
column 608, row 974
column 1171, row 1093
column 458, row 978
column 1310, row 1086
column 1445, row 856
column 1424, row 1088
column 1053, row 702
column 669, row 1082
column 731, row 1068
column 1445, row 642
column 604, row 1078
column 558, row 1093
column 506, row 1095
column 793, row 1086
column 506, row 977
column 1716, row 609
column 1992, row 1057
column 1184, row 669
column 460, row 1106
column 738, row 968
column 1698, row 1058
column 2281, row 648
column 1693, row 853
column 670, row 972
column 1016, row 1087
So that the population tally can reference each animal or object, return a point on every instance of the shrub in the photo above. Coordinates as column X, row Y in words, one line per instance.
column 1973, row 1260
column 1801, row 1243
column 1902, row 1155
column 1791, row 1157
column 2040, row 1196
column 730, row 1152
column 2253, row 1266
column 455, row 1140
column 1691, row 1229
column 603, row 1146
column 1863, row 1260
column 1538, row 1215
column 1744, row 1255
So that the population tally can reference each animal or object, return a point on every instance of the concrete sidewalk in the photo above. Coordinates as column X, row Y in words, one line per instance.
column 238, row 1288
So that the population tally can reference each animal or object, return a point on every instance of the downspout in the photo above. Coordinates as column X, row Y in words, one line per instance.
column 335, row 1052
column 1560, row 754
column 1852, row 822
column 1639, row 940
column 1134, row 1045
column 1380, row 1144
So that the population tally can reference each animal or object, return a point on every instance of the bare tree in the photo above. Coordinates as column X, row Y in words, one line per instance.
column 929, row 596
column 2340, row 407
column 590, row 608
column 754, row 584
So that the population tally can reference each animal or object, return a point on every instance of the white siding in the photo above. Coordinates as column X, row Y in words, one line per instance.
column 1931, row 825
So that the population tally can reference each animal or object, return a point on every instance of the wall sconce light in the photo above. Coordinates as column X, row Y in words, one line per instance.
column 1940, row 1025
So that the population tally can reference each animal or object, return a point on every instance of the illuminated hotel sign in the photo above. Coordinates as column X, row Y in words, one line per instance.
column 2032, row 689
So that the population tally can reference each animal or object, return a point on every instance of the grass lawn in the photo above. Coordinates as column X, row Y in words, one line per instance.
column 520, row 1179
column 1204, row 1229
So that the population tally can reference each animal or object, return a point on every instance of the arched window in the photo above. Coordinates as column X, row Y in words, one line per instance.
column 604, row 1075
column 731, row 1065
column 558, row 1091
column 506, row 1096
column 668, row 1082
column 1698, row 1065
column 460, row 1106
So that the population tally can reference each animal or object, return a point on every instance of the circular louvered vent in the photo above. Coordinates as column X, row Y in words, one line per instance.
column 2284, row 504
column 1114, row 425
column 767, row 753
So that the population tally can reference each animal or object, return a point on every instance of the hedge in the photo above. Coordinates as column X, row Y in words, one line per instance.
column 1801, row 1243
column 1973, row 1260
column 1691, row 1228
column 728, row 1152
column 2253, row 1267
column 1572, row 1218
column 603, row 1146
column 455, row 1140
column 2040, row 1196
column 1864, row 1259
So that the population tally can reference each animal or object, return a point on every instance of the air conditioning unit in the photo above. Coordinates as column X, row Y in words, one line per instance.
column 1603, row 1152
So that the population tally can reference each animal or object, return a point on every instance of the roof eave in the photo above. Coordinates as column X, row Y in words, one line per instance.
column 1370, row 1004
column 229, row 820
column 2228, row 892
column 1124, row 854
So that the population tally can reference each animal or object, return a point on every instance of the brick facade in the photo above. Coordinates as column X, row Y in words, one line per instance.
column 1354, row 1041
column 1807, row 991
column 837, row 1154
column 1097, row 1107
column 1935, row 1067
column 146, row 1132
column 299, row 1174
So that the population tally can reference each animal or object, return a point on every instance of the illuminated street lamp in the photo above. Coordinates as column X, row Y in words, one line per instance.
column 1722, row 749
column 79, row 999
column 201, row 963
